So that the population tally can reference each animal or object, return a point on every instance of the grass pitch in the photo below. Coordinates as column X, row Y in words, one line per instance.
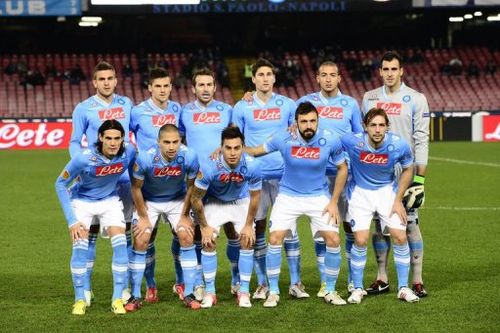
column 460, row 224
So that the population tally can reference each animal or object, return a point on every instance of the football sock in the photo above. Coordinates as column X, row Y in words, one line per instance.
column 273, row 264
column 245, row 267
column 175, row 248
column 91, row 253
column 292, row 251
column 358, row 263
column 137, row 264
column 320, row 250
column 233, row 254
column 416, row 250
column 349, row 241
column 189, row 262
column 209, row 263
column 199, row 269
column 149, row 272
column 332, row 267
column 402, row 262
column 260, row 259
column 382, row 246
column 119, row 264
column 79, row 267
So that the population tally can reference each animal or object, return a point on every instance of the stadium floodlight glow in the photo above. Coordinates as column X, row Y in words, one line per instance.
column 145, row 2
column 96, row 19
column 478, row 13
column 468, row 16
column 493, row 18
column 88, row 24
column 456, row 19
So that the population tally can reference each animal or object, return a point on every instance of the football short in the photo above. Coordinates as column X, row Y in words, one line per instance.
column 170, row 211
column 364, row 204
column 287, row 209
column 107, row 213
column 268, row 195
column 219, row 212
column 123, row 191
column 342, row 204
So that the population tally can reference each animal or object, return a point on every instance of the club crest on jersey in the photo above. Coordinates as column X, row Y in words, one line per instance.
column 390, row 108
column 279, row 102
column 206, row 118
column 330, row 112
column 159, row 121
column 343, row 102
column 170, row 171
column 406, row 98
column 308, row 153
column 372, row 158
column 179, row 159
column 108, row 170
column 232, row 177
column 267, row 114
column 219, row 107
column 114, row 113
column 65, row 175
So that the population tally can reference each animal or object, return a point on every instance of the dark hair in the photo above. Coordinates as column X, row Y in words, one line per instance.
column 157, row 73
column 231, row 132
column 103, row 66
column 261, row 62
column 373, row 113
column 167, row 128
column 202, row 71
column 328, row 63
column 390, row 56
column 110, row 124
column 305, row 108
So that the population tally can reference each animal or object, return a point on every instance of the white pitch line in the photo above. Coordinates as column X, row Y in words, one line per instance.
column 462, row 208
column 495, row 165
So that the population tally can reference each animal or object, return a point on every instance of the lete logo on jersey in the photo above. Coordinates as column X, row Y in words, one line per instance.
column 330, row 112
column 390, row 108
column 308, row 153
column 172, row 171
column 114, row 113
column 267, row 114
column 206, row 118
column 159, row 121
column 232, row 177
column 107, row 170
column 371, row 158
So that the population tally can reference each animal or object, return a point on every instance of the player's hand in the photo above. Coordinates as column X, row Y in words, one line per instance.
column 215, row 154
column 248, row 96
column 292, row 129
column 398, row 208
column 333, row 211
column 143, row 226
column 186, row 224
column 78, row 231
column 208, row 236
column 247, row 236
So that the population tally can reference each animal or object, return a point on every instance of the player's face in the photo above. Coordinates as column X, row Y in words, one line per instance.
column 204, row 88
column 307, row 124
column 376, row 129
column 160, row 89
column 169, row 143
column 105, row 83
column 391, row 73
column 264, row 79
column 111, row 142
column 328, row 78
column 232, row 150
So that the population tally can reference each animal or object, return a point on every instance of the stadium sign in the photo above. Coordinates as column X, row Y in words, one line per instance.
column 40, row 7
column 491, row 128
column 33, row 135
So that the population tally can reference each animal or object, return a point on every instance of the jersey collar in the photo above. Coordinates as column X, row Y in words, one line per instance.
column 155, row 108
column 325, row 99
column 401, row 87
column 260, row 102
column 103, row 103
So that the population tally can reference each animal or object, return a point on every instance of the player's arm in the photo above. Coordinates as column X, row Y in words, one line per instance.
column 421, row 120
column 404, row 182
column 207, row 232
column 185, row 222
column 332, row 208
column 270, row 145
column 143, row 225
column 77, row 229
column 247, row 234
column 255, row 151
column 356, row 121
column 79, row 126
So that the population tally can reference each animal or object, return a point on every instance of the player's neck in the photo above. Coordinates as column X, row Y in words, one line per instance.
column 203, row 104
column 332, row 93
column 264, row 96
column 167, row 158
column 392, row 90
column 105, row 99
column 161, row 105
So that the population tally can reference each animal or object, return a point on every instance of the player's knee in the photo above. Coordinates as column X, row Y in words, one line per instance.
column 141, row 243
column 399, row 237
column 332, row 239
column 360, row 240
column 185, row 239
column 276, row 238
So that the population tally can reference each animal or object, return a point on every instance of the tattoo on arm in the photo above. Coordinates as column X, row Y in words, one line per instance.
column 197, row 205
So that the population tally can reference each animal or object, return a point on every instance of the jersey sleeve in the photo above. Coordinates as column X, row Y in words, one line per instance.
column 255, row 179
column 356, row 121
column 69, row 173
column 274, row 143
column 337, row 155
column 79, row 126
column 237, row 116
column 292, row 107
column 364, row 104
column 203, row 178
column 193, row 165
column 134, row 120
column 406, row 157
column 421, row 122
column 182, row 128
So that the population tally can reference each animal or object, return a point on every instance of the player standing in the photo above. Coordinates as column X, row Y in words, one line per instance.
column 374, row 189
column 145, row 121
column 340, row 114
column 97, row 170
column 408, row 113
column 87, row 118
column 232, row 183
column 259, row 117
column 304, row 191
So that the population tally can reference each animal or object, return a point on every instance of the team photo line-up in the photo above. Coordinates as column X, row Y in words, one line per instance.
column 207, row 165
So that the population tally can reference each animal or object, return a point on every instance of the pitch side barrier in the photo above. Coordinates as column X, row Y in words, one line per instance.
column 55, row 133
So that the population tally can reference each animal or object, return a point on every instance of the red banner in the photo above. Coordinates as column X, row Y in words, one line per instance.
column 491, row 128
column 34, row 135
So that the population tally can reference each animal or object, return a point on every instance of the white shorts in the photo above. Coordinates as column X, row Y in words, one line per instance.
column 287, row 209
column 123, row 191
column 268, row 195
column 170, row 211
column 342, row 204
column 364, row 204
column 107, row 213
column 219, row 212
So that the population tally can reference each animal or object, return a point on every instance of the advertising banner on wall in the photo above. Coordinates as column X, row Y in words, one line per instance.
column 40, row 7
column 35, row 135
column 491, row 128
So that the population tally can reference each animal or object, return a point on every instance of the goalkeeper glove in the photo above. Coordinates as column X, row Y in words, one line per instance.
column 414, row 196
